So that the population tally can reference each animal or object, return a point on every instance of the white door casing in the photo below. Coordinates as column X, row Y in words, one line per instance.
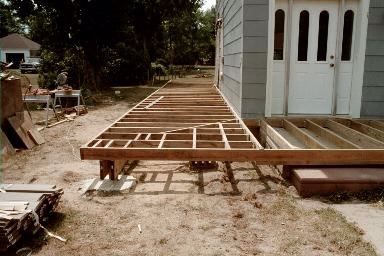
column 345, row 65
column 279, row 64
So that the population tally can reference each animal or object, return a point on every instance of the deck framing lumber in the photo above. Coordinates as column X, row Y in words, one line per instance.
column 309, row 141
column 193, row 122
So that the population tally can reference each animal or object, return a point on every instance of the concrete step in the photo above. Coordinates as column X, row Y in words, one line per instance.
column 326, row 180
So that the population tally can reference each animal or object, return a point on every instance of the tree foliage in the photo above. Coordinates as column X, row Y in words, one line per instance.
column 8, row 23
column 114, row 42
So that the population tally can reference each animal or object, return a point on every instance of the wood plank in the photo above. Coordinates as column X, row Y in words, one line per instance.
column 355, row 137
column 16, row 123
column 374, row 124
column 154, row 102
column 171, row 120
column 330, row 135
column 30, row 129
column 112, row 168
column 276, row 137
column 224, row 136
column 367, row 130
column 105, row 167
column 265, row 156
column 36, row 136
column 109, row 144
column 307, row 140
column 6, row 147
column 162, row 140
column 118, row 167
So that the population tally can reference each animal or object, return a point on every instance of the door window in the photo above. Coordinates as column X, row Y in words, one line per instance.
column 279, row 35
column 347, row 36
column 303, row 36
column 322, row 42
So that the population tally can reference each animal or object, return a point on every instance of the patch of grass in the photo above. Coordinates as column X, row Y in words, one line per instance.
column 292, row 246
column 285, row 207
column 129, row 94
column 342, row 235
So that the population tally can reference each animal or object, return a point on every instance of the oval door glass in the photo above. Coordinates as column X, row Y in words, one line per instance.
column 322, row 41
column 279, row 35
column 347, row 36
column 303, row 36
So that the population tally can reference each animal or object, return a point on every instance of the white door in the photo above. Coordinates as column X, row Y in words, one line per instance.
column 313, row 51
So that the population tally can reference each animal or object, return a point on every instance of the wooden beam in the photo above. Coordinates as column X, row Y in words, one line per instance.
column 276, row 137
column 109, row 144
column 105, row 166
column 224, row 136
column 374, row 124
column 355, row 137
column 366, row 129
column 111, row 168
column 154, row 102
column 265, row 156
column 162, row 140
column 306, row 139
column 330, row 135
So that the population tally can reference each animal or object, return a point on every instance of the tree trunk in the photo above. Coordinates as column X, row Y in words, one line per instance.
column 92, row 69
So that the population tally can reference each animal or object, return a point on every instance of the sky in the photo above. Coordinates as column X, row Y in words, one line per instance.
column 208, row 4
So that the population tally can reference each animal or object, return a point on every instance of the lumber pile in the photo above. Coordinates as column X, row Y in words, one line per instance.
column 22, row 208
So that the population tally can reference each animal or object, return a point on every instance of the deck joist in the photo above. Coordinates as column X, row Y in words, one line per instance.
column 193, row 122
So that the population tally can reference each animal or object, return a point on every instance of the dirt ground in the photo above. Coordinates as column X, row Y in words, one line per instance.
column 181, row 212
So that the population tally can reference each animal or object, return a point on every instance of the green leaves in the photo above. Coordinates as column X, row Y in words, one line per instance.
column 108, row 42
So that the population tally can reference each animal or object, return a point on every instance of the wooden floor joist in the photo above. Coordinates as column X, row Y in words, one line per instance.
column 193, row 122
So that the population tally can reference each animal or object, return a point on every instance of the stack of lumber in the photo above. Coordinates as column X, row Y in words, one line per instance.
column 22, row 208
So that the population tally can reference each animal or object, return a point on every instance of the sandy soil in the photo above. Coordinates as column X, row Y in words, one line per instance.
column 181, row 212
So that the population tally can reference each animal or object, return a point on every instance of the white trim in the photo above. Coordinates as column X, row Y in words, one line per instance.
column 271, row 28
column 288, row 56
column 359, row 58
column 338, row 51
column 241, row 60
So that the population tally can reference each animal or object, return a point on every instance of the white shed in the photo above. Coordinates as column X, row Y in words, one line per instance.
column 16, row 48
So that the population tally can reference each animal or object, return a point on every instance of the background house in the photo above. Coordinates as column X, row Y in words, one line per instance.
column 15, row 48
column 301, row 57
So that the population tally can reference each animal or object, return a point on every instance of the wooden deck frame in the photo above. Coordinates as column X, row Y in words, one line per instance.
column 193, row 122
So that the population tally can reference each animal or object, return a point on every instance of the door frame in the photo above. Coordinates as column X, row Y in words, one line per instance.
column 358, row 61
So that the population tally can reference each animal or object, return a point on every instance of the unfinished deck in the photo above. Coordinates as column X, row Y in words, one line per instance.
column 193, row 122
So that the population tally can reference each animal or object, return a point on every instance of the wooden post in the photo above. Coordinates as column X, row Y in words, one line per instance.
column 105, row 167
column 113, row 168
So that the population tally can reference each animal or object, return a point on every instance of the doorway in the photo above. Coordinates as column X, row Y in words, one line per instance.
column 313, row 57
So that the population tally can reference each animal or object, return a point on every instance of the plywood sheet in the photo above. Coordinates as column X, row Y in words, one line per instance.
column 16, row 125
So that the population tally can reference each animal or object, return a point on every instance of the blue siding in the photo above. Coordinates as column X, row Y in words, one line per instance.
column 255, row 50
column 230, row 86
column 373, row 87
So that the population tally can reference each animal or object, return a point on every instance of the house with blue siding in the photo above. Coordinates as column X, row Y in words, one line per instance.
column 301, row 57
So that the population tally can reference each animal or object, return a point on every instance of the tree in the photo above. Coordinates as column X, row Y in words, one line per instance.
column 207, row 36
column 8, row 23
column 191, row 37
column 111, row 42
